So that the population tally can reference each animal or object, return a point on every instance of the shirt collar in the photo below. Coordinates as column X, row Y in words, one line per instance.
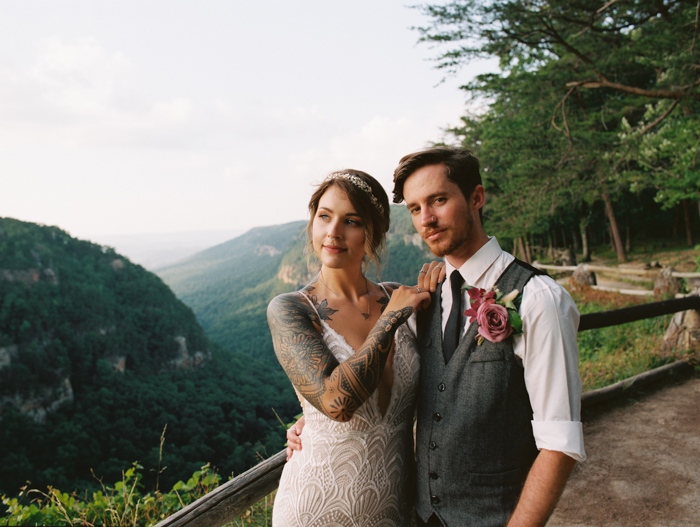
column 476, row 266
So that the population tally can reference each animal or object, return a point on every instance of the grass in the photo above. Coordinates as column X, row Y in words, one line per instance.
column 609, row 355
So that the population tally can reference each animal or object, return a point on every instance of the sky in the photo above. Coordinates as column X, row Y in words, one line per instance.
column 131, row 117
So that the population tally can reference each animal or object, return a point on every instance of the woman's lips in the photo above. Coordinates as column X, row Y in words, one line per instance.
column 335, row 249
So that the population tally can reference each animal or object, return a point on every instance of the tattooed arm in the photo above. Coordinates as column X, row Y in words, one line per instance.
column 335, row 389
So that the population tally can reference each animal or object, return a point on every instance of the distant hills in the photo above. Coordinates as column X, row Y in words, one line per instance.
column 161, row 249
column 229, row 286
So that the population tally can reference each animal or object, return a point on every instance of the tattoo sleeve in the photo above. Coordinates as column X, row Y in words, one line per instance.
column 337, row 390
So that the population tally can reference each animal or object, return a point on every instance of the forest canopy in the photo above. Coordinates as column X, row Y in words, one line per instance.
column 596, row 103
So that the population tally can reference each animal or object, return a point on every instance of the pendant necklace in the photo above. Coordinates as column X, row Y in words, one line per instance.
column 366, row 315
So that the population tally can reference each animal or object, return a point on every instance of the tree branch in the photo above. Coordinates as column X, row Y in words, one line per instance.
column 562, row 103
column 661, row 117
column 654, row 94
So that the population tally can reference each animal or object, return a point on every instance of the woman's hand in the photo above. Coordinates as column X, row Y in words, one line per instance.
column 407, row 297
column 431, row 274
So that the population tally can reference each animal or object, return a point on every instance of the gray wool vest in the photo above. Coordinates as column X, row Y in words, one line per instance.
column 474, row 442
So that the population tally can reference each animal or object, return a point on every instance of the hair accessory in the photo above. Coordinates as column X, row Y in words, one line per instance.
column 358, row 182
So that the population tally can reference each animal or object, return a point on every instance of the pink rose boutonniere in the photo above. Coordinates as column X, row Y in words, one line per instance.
column 496, row 314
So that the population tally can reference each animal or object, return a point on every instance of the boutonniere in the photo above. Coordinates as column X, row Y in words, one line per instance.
column 496, row 314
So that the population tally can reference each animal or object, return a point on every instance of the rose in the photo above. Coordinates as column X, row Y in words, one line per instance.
column 477, row 297
column 493, row 322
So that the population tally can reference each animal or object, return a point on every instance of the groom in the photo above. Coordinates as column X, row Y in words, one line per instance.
column 498, row 430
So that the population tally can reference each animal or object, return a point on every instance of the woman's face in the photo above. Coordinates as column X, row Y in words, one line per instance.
column 338, row 231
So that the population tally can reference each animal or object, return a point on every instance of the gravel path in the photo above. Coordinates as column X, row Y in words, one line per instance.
column 643, row 465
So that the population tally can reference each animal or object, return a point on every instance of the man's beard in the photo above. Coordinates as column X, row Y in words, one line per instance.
column 454, row 242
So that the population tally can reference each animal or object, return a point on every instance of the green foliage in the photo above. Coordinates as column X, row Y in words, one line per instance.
column 123, row 504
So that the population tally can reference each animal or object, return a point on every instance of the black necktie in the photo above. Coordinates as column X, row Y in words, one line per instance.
column 454, row 323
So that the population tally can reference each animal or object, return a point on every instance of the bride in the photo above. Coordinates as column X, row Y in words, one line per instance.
column 354, row 365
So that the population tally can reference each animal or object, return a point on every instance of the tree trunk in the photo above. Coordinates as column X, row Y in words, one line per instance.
column 577, row 247
column 565, row 243
column 550, row 253
column 675, row 222
column 614, row 230
column 527, row 249
column 586, row 257
column 688, row 222
column 612, row 238
column 515, row 247
column 521, row 248
column 628, row 237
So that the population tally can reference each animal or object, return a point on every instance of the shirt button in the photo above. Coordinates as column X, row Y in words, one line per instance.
column 437, row 416
column 433, row 445
column 433, row 475
column 434, row 500
column 441, row 386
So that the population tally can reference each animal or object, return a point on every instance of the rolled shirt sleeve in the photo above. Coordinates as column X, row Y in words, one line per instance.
column 549, row 352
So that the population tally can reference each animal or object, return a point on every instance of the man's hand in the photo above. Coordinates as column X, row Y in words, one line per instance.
column 294, row 437
column 543, row 487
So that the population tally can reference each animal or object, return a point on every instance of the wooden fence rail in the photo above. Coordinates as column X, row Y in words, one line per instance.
column 649, row 274
column 231, row 499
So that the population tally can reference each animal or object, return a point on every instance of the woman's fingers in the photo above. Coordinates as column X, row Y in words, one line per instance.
column 407, row 296
column 436, row 275
column 430, row 275
column 422, row 274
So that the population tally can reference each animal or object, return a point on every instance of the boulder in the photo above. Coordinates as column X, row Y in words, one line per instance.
column 666, row 284
column 582, row 278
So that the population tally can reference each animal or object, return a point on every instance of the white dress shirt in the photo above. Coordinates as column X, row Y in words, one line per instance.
column 547, row 348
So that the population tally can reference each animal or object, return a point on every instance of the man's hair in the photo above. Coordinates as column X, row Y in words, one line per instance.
column 461, row 165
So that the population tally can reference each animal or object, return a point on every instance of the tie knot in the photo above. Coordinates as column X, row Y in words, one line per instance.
column 456, row 280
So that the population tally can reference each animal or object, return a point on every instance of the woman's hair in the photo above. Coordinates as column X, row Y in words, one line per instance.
column 370, row 202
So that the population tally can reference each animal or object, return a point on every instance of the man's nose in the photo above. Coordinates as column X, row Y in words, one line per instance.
column 426, row 217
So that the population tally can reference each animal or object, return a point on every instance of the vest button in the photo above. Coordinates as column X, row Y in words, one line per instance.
column 434, row 500
column 437, row 416
column 441, row 386
column 433, row 445
column 433, row 475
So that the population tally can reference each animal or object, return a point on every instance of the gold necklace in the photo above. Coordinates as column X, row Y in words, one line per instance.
column 366, row 315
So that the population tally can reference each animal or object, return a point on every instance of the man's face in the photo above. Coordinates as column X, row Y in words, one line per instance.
column 441, row 214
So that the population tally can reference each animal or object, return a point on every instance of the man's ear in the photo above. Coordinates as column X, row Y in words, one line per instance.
column 478, row 197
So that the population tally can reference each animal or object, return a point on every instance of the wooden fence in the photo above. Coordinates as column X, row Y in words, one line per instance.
column 231, row 499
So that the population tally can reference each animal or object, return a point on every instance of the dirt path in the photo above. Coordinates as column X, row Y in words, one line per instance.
column 643, row 465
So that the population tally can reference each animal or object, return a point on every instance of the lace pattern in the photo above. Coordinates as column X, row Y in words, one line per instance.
column 358, row 473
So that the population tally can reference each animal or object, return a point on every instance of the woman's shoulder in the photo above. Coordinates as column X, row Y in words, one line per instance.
column 286, row 301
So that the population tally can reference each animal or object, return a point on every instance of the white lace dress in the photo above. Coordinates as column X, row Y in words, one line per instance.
column 358, row 473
